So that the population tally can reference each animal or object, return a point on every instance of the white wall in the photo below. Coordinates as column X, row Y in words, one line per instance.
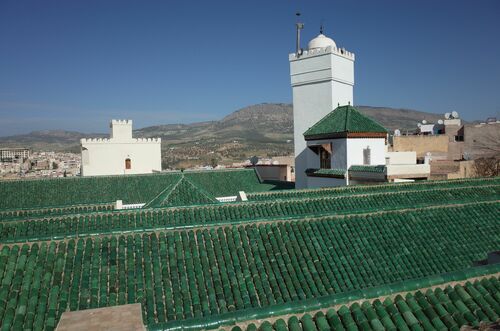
column 108, row 158
column 120, row 129
column 401, row 157
column 416, row 170
column 321, row 79
column 355, row 147
column 349, row 151
column 274, row 172
column 339, row 153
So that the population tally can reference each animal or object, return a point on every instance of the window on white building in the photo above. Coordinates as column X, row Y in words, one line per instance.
column 367, row 156
column 325, row 156
column 128, row 164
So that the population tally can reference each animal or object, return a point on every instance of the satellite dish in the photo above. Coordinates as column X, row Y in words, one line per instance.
column 419, row 124
column 397, row 132
column 447, row 115
column 440, row 122
column 454, row 114
column 424, row 122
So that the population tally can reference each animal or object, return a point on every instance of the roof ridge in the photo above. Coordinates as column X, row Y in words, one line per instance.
column 173, row 188
column 200, row 190
column 168, row 189
column 320, row 121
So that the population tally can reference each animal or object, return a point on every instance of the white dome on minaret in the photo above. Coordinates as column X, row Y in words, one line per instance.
column 321, row 41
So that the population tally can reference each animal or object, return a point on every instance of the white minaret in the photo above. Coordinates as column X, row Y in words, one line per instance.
column 322, row 77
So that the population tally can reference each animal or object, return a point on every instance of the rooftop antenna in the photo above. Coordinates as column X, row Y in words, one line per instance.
column 299, row 27
column 321, row 28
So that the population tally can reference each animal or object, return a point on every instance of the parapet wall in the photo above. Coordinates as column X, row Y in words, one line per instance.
column 114, row 141
column 320, row 51
column 121, row 122
column 421, row 144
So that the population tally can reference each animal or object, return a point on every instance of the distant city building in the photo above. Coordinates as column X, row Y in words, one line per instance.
column 280, row 168
column 451, row 140
column 14, row 154
column 335, row 145
column 120, row 154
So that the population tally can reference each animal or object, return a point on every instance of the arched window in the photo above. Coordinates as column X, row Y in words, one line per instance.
column 128, row 164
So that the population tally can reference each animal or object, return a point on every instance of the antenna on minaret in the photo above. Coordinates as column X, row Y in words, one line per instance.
column 299, row 27
column 321, row 28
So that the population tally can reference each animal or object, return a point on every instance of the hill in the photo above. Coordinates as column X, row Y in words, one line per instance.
column 264, row 129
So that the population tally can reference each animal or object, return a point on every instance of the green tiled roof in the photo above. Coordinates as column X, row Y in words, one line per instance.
column 326, row 172
column 70, row 191
column 367, row 168
column 344, row 119
column 182, row 193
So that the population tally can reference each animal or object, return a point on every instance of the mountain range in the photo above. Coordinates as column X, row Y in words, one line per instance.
column 264, row 129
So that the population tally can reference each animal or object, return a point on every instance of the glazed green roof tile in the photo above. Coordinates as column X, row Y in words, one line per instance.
column 70, row 191
column 182, row 193
column 367, row 168
column 190, row 266
column 326, row 172
column 344, row 119
column 426, row 309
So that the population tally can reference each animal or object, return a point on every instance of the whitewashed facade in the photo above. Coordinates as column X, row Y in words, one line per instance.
column 322, row 78
column 120, row 154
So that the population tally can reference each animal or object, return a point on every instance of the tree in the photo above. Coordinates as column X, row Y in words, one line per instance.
column 487, row 167
column 55, row 165
column 214, row 162
column 253, row 160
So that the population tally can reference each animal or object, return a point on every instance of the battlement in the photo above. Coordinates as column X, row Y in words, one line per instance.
column 121, row 122
column 321, row 51
column 111, row 140
column 121, row 129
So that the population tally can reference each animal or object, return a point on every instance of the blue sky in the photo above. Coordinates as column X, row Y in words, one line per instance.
column 74, row 65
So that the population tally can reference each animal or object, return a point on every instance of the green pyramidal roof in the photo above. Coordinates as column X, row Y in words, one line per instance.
column 181, row 193
column 343, row 120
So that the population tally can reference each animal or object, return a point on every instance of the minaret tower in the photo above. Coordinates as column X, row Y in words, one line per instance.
column 322, row 77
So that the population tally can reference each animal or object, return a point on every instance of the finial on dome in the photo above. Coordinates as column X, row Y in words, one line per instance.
column 321, row 28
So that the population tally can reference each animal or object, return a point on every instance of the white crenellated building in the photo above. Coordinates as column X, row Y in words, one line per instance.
column 121, row 153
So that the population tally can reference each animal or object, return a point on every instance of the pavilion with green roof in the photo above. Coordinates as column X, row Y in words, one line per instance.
column 345, row 122
column 348, row 146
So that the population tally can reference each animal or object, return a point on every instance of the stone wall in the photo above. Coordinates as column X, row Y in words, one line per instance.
column 421, row 144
